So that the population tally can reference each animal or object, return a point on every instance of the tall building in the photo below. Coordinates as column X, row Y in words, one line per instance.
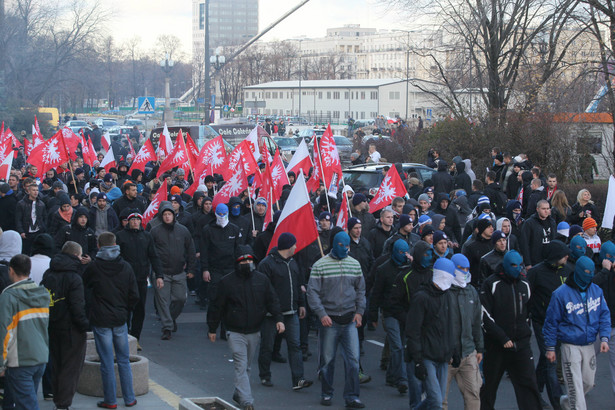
column 231, row 22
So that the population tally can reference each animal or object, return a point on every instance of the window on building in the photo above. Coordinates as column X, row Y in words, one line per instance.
column 267, row 95
column 247, row 95
column 393, row 114
column 336, row 95
column 328, row 95
column 362, row 95
column 373, row 95
column 346, row 95
column 373, row 114
column 345, row 114
column 394, row 95
column 274, row 95
column 336, row 114
column 320, row 95
column 253, row 94
column 267, row 112
column 362, row 115
column 202, row 16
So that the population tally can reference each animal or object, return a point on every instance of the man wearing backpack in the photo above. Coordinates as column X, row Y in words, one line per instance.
column 497, row 198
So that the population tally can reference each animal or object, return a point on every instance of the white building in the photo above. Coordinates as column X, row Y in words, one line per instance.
column 336, row 100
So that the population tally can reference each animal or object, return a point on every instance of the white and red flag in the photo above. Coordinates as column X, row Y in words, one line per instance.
column 241, row 155
column 165, row 144
column 279, row 178
column 297, row 217
column 314, row 182
column 106, row 141
column 233, row 187
column 330, row 157
column 152, row 209
column 178, row 157
column 108, row 161
column 71, row 142
column 342, row 216
column 392, row 186
column 5, row 167
column 210, row 160
column 87, row 151
column 253, row 140
column 301, row 160
column 132, row 152
column 193, row 150
column 145, row 155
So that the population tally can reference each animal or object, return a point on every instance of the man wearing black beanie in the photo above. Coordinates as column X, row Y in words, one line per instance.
column 478, row 248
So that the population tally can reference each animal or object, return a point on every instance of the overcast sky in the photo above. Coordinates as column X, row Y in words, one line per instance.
column 150, row 18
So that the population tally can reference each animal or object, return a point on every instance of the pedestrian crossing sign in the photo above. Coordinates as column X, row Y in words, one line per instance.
column 146, row 105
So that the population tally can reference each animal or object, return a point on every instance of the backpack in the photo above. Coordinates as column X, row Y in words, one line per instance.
column 498, row 204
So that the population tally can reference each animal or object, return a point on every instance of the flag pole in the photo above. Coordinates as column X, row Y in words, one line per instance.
column 188, row 155
column 322, row 253
column 251, row 207
column 323, row 174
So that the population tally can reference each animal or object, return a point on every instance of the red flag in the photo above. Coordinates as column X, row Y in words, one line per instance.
column 193, row 150
column 342, row 216
column 152, row 209
column 37, row 136
column 278, row 176
column 233, row 187
column 212, row 157
column 301, row 160
column 5, row 168
column 253, row 140
column 165, row 144
column 87, row 150
column 240, row 155
column 12, row 140
column 145, row 155
column 48, row 155
column 106, row 141
column 178, row 157
column 71, row 141
column 132, row 152
column 297, row 217
column 314, row 181
column 108, row 161
column 392, row 186
column 330, row 157
column 27, row 145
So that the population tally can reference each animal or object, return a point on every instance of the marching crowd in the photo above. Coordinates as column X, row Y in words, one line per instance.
column 458, row 272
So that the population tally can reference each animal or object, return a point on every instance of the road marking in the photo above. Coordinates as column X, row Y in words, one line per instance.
column 166, row 395
column 375, row 343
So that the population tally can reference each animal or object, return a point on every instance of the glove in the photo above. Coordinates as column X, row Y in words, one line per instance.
column 420, row 371
column 456, row 361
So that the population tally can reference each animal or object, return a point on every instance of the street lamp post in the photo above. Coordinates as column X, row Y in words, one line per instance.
column 207, row 66
column 217, row 61
column 407, row 68
column 167, row 67
column 300, row 75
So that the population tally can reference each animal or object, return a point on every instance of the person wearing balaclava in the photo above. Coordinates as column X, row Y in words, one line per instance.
column 576, row 316
column 605, row 278
column 467, row 334
column 235, row 216
column 544, row 278
column 578, row 248
column 336, row 295
column 429, row 334
column 220, row 241
column 504, row 297
column 175, row 249
column 242, row 309
column 380, row 300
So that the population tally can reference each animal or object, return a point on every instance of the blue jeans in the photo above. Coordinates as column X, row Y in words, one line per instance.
column 395, row 371
column 348, row 338
column 107, row 340
column 434, row 384
column 23, row 385
column 295, row 358
column 415, row 387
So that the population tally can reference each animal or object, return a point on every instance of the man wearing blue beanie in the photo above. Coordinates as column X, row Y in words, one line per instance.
column 576, row 315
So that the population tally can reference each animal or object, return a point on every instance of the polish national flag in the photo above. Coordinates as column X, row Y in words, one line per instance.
column 279, row 178
column 165, row 144
column 253, row 141
column 152, row 209
column 87, row 151
column 108, row 161
column 342, row 216
column 297, row 217
column 106, row 141
column 301, row 160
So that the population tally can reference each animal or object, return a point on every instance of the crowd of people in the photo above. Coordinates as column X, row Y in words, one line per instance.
column 458, row 272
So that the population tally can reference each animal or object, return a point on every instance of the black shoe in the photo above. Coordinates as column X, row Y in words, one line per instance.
column 48, row 396
column 166, row 335
column 302, row 384
column 364, row 378
column 326, row 400
column 402, row 388
column 384, row 364
column 174, row 326
column 278, row 358
column 355, row 404
column 266, row 382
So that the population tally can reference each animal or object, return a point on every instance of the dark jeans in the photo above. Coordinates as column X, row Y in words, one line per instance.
column 26, row 243
column 295, row 359
column 67, row 350
column 137, row 315
column 23, row 385
column 546, row 372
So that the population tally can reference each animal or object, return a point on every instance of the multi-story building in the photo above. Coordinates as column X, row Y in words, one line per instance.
column 231, row 22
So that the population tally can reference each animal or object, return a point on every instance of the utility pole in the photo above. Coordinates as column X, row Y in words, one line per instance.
column 300, row 75
column 2, row 58
column 208, row 106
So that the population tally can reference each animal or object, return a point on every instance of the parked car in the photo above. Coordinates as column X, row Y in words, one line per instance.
column 106, row 123
column 77, row 125
column 370, row 175
column 344, row 148
column 307, row 134
column 133, row 121
column 287, row 145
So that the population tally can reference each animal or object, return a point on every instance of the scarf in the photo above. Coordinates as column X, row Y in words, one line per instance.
column 66, row 215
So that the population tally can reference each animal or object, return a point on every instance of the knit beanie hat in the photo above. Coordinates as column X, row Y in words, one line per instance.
column 589, row 223
column 286, row 241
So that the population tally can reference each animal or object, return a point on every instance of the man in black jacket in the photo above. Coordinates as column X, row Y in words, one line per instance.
column 537, row 231
column 67, row 322
column 442, row 180
column 544, row 278
column 8, row 203
column 505, row 296
column 283, row 272
column 429, row 333
column 138, row 249
column 491, row 261
column 79, row 232
column 453, row 228
column 241, row 301
column 112, row 291
column 480, row 246
column 130, row 199
column 30, row 217
column 360, row 210
column 381, row 232
column 175, row 248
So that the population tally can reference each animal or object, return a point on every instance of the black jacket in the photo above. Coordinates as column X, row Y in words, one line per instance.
column 377, row 237
column 262, row 242
column 219, row 247
column 544, row 278
column 286, row 280
column 535, row 233
column 462, row 179
column 111, row 289
column 242, row 302
column 367, row 221
column 474, row 251
column 123, row 202
column 452, row 226
column 174, row 246
column 362, row 252
column 381, row 291
column 442, row 180
column 535, row 196
column 606, row 280
column 8, row 205
column 138, row 249
column 428, row 326
column 506, row 309
column 23, row 220
column 65, row 286
column 490, row 263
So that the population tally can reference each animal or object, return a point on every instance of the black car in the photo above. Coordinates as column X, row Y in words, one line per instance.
column 370, row 176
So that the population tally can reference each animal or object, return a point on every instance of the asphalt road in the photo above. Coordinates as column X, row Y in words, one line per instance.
column 193, row 366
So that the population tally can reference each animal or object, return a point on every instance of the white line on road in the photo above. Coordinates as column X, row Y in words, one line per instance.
column 375, row 342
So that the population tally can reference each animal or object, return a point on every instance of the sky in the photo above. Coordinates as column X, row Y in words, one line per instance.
column 149, row 18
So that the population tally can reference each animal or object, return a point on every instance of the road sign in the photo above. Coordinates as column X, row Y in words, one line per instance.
column 225, row 108
column 147, row 105
column 428, row 114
